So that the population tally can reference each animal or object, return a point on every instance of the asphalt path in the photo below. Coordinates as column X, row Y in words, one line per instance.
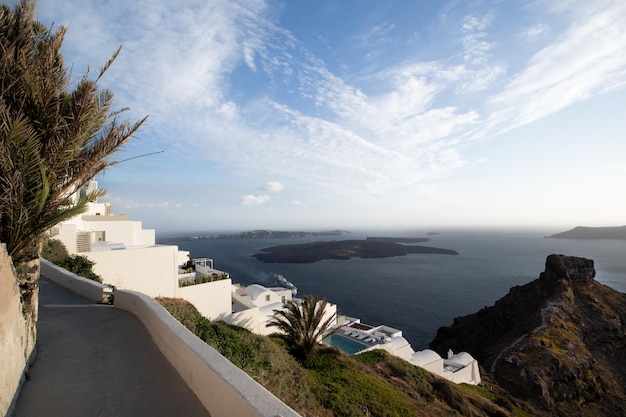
column 96, row 360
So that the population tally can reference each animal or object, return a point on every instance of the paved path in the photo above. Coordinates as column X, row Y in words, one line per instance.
column 96, row 360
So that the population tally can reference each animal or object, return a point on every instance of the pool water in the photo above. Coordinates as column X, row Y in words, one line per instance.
column 344, row 343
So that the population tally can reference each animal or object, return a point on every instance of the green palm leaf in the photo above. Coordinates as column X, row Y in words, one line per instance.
column 53, row 139
column 301, row 326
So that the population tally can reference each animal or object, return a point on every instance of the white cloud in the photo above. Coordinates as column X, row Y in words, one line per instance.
column 476, row 48
column 534, row 32
column 588, row 58
column 274, row 186
column 296, row 118
column 254, row 200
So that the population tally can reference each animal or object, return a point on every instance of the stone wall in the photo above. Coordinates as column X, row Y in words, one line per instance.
column 17, row 338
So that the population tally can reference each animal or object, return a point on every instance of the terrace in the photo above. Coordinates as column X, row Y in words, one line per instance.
column 354, row 337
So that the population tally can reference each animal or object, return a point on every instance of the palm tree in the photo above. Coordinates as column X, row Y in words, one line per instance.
column 301, row 326
column 53, row 139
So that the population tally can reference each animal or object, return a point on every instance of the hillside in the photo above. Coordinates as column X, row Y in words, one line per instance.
column 580, row 232
column 558, row 342
column 552, row 347
column 331, row 383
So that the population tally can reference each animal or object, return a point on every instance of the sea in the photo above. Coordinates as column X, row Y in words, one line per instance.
column 417, row 293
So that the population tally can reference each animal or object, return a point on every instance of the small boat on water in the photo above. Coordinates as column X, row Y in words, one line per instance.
column 285, row 283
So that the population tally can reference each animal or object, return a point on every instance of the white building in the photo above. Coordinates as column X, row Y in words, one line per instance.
column 360, row 337
column 126, row 256
column 254, row 306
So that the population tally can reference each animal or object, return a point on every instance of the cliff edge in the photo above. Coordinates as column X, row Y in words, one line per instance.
column 558, row 342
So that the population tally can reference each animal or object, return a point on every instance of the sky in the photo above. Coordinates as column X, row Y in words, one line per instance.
column 358, row 114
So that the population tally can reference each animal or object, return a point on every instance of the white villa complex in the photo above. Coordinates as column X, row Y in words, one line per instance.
column 254, row 305
column 127, row 256
column 354, row 337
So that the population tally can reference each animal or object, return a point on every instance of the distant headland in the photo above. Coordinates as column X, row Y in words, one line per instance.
column 372, row 247
column 256, row 234
column 580, row 232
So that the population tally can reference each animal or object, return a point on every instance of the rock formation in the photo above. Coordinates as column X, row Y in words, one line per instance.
column 558, row 342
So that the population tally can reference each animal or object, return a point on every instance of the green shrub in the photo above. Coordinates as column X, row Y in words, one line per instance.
column 372, row 357
column 201, row 279
column 54, row 250
column 82, row 266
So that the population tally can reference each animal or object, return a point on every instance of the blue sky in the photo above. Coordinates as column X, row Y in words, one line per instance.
column 352, row 114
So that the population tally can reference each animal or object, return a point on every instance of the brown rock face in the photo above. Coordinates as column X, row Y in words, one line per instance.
column 558, row 342
column 569, row 271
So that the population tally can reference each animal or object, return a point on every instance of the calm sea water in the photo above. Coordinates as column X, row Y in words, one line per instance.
column 418, row 293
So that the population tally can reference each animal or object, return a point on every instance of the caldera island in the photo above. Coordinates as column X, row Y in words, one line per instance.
column 371, row 247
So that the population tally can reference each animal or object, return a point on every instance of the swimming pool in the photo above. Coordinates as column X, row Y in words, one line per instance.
column 350, row 346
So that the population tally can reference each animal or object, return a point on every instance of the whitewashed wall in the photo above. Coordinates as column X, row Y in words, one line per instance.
column 212, row 299
column 152, row 270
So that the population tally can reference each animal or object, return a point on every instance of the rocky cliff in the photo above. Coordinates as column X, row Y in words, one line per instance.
column 558, row 342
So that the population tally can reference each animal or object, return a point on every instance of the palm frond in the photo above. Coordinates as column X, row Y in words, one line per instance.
column 300, row 325
column 53, row 139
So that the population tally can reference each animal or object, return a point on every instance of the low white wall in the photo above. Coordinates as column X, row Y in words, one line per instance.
column 212, row 299
column 88, row 288
column 223, row 389
column 152, row 270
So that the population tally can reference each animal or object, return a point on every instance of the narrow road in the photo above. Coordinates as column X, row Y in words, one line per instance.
column 96, row 360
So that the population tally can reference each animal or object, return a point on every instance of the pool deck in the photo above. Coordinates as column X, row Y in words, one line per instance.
column 370, row 337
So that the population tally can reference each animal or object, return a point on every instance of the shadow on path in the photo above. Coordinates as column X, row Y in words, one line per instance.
column 96, row 360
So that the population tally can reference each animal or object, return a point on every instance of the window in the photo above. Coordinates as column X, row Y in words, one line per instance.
column 267, row 297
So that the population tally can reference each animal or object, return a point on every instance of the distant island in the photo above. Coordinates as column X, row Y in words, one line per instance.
column 256, row 234
column 580, row 232
column 372, row 247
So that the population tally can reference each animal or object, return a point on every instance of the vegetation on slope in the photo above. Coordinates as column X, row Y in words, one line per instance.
column 330, row 383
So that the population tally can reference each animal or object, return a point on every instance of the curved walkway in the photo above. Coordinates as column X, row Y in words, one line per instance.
column 96, row 360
